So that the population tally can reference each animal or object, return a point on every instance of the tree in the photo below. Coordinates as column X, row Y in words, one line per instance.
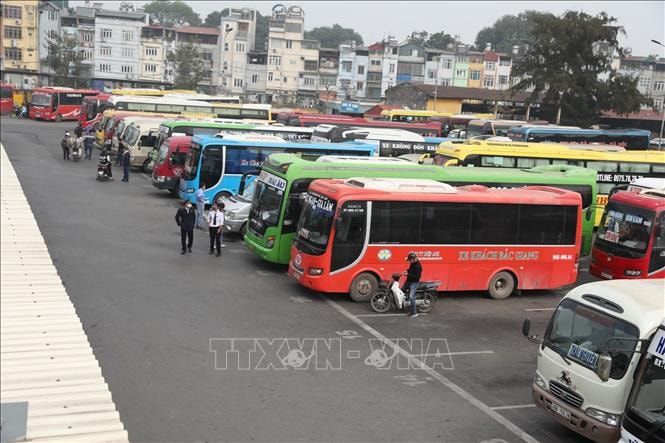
column 188, row 65
column 332, row 36
column 506, row 32
column 569, row 65
column 170, row 13
column 214, row 19
column 65, row 58
column 440, row 40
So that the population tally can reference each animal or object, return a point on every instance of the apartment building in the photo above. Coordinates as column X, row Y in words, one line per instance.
column 374, row 71
column 117, row 47
column 206, row 40
column 347, row 66
column 156, row 43
column 411, row 62
column 255, row 76
column 49, row 28
column 20, row 50
column 328, row 71
column 238, row 34
column 80, row 24
column 360, row 71
column 308, row 78
column 476, row 68
column 389, row 64
column 650, row 72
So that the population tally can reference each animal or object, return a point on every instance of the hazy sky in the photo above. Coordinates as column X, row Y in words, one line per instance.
column 374, row 20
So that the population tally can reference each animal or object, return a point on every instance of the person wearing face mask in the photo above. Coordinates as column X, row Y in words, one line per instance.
column 215, row 223
column 186, row 219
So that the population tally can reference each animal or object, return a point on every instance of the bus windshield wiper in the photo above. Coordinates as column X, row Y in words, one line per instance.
column 561, row 354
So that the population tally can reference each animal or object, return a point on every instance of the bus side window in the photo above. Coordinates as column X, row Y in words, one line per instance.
column 657, row 259
column 641, row 168
column 600, row 166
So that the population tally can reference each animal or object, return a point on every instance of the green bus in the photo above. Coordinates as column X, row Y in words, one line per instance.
column 283, row 178
column 208, row 127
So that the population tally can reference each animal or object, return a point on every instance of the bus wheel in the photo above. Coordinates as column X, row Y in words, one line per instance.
column 220, row 195
column 146, row 166
column 58, row 118
column 502, row 285
column 174, row 191
column 363, row 287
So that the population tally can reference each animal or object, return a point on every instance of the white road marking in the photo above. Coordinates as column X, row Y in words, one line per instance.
column 146, row 176
column 265, row 273
column 443, row 380
column 540, row 309
column 383, row 315
column 500, row 408
column 440, row 354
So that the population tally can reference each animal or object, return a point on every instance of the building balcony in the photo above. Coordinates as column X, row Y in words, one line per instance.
column 374, row 68
column 241, row 35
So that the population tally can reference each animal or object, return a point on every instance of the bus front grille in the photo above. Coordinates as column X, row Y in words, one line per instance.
column 566, row 394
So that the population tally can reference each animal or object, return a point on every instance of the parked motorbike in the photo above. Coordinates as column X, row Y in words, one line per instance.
column 391, row 295
column 77, row 148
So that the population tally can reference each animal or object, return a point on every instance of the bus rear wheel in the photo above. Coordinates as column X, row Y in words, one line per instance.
column 363, row 287
column 502, row 285
column 58, row 118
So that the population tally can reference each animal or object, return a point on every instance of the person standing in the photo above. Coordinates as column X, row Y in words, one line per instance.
column 87, row 144
column 215, row 224
column 413, row 280
column 118, row 156
column 200, row 205
column 64, row 144
column 78, row 131
column 125, row 165
column 185, row 218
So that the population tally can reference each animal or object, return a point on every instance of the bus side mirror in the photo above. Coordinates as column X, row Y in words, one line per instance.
column 526, row 327
column 451, row 162
column 604, row 366
column 587, row 215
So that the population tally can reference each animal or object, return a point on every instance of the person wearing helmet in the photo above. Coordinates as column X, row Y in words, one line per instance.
column 64, row 144
column 413, row 280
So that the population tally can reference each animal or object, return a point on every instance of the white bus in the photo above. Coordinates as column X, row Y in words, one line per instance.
column 589, row 353
column 212, row 99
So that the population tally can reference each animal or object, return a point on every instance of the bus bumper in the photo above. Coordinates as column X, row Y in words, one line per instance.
column 233, row 225
column 162, row 182
column 578, row 421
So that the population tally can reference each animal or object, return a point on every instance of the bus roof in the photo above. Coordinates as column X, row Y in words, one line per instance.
column 482, row 121
column 649, row 183
column 179, row 140
column 205, row 140
column 641, row 301
column 204, row 124
column 648, row 199
column 572, row 130
column 155, row 100
column 51, row 89
column 414, row 112
column 548, row 150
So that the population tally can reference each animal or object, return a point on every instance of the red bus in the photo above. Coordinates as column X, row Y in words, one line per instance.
column 353, row 233
column 170, row 163
column 426, row 129
column 630, row 242
column 6, row 98
column 57, row 103
column 92, row 109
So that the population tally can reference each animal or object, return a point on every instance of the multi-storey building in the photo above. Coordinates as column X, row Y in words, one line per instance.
column 345, row 76
column 49, row 28
column 475, row 69
column 238, row 33
column 255, row 77
column 650, row 72
column 411, row 62
column 117, row 47
column 390, row 60
column 360, row 72
column 505, row 65
column 328, row 70
column 80, row 23
column 461, row 68
column 308, row 78
column 19, row 41
column 374, row 71
column 206, row 40
column 155, row 70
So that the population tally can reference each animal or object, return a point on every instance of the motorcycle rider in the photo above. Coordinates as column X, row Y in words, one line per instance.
column 413, row 280
column 105, row 162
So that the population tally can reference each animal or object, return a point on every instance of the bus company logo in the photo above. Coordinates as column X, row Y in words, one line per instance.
column 384, row 254
column 565, row 378
column 297, row 260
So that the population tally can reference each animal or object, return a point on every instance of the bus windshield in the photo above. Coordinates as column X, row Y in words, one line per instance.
column 41, row 99
column 648, row 399
column 131, row 135
column 624, row 230
column 315, row 223
column 192, row 162
column 579, row 333
column 265, row 205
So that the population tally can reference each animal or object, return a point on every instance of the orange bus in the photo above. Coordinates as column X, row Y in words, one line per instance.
column 356, row 232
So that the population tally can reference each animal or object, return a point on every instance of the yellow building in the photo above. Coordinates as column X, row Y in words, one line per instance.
column 476, row 69
column 19, row 41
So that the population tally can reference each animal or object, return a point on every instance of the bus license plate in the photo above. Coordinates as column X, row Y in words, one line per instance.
column 559, row 410
column 606, row 276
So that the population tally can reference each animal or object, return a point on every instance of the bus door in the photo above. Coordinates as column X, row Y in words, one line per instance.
column 350, row 236
column 657, row 256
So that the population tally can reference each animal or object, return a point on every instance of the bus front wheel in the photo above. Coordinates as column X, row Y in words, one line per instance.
column 363, row 287
column 501, row 285
column 58, row 118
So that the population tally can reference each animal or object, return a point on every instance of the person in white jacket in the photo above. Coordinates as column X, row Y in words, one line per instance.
column 215, row 223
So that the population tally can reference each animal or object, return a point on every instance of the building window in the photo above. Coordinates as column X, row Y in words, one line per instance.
column 270, row 76
column 237, row 82
column 489, row 66
column 240, row 47
column 207, row 74
column 375, row 62
column 445, row 82
column 255, row 78
column 504, row 62
column 414, row 53
column 447, row 64
column 106, row 33
column 474, row 75
column 151, row 52
column 127, row 69
column 289, row 44
column 52, row 15
column 12, row 32
column 503, row 80
column 391, row 68
column 225, row 66
column 13, row 53
column 460, row 73
column 361, row 69
column 87, row 37
column 276, row 43
column 105, row 50
column 488, row 82
column 127, row 35
column 105, row 67
column 347, row 66
column 150, row 67
column 359, row 86
column 431, row 73
column 658, row 86
column 275, row 60
column 658, row 104
column 52, row 33
column 87, row 55
column 12, row 11
column 644, row 82
column 462, row 59
column 127, row 52
column 308, row 81
column 286, row 79
column 207, row 56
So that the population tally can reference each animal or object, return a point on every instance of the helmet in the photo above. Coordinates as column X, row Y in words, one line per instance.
column 411, row 256
column 67, row 133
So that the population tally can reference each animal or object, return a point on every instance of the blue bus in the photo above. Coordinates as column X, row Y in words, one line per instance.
column 631, row 139
column 220, row 163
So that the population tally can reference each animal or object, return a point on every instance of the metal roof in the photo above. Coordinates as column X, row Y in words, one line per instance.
column 51, row 386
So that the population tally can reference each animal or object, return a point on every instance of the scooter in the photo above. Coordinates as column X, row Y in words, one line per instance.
column 103, row 167
column 77, row 149
column 391, row 295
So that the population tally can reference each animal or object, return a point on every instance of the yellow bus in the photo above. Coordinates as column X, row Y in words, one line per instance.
column 612, row 168
column 410, row 115
column 150, row 92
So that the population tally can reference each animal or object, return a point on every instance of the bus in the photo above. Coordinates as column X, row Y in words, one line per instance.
column 630, row 242
column 92, row 109
column 139, row 137
column 410, row 115
column 6, row 98
column 142, row 92
column 212, row 99
column 587, row 358
column 495, row 128
column 458, row 122
column 271, row 237
column 631, row 139
column 113, row 123
column 428, row 128
column 613, row 168
column 219, row 163
column 56, row 103
column 643, row 419
column 354, row 233
column 170, row 162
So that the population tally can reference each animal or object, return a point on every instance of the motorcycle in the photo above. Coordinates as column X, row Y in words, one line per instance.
column 391, row 295
column 104, row 167
column 77, row 149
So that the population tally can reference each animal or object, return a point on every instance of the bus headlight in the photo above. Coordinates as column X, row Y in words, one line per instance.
column 540, row 382
column 605, row 417
column 315, row 271
column 632, row 272
column 270, row 241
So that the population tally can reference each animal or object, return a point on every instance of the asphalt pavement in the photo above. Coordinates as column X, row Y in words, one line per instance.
column 200, row 348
